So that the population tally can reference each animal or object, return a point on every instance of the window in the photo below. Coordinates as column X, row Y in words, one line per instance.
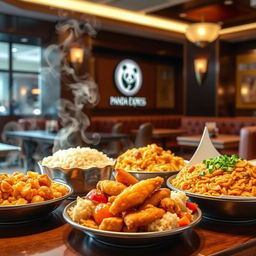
column 20, row 67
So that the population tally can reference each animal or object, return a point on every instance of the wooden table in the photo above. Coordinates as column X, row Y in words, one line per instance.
column 222, row 141
column 32, row 139
column 164, row 134
column 51, row 236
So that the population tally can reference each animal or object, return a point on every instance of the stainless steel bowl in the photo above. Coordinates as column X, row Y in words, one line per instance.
column 225, row 208
column 147, row 175
column 32, row 211
column 130, row 239
column 81, row 180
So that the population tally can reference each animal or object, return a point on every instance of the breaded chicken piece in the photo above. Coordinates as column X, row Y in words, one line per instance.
column 126, row 229
column 135, row 194
column 112, row 224
column 156, row 197
column 89, row 223
column 125, row 177
column 111, row 199
column 143, row 217
column 169, row 205
column 110, row 187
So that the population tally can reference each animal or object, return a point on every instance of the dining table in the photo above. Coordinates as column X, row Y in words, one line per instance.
column 44, row 140
column 52, row 236
column 7, row 148
column 221, row 141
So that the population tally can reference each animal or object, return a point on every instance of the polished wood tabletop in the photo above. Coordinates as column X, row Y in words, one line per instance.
column 221, row 141
column 51, row 236
column 34, row 139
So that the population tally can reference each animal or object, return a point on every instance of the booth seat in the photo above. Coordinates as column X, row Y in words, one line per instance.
column 105, row 123
column 225, row 125
column 247, row 148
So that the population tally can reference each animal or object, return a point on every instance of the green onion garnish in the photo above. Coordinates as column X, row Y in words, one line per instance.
column 223, row 162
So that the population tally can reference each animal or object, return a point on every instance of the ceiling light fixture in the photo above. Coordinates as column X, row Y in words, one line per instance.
column 104, row 11
column 228, row 2
column 202, row 33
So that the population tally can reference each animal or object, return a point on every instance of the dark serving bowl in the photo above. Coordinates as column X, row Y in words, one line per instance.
column 26, row 212
column 81, row 180
column 224, row 208
column 130, row 239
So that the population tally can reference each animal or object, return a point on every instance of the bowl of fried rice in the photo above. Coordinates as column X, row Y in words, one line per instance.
column 224, row 187
column 150, row 161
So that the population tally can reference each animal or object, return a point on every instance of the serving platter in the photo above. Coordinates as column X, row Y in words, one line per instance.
column 13, row 214
column 138, row 239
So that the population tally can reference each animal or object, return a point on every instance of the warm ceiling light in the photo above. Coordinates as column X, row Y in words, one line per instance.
column 115, row 13
column 202, row 33
column 36, row 91
column 23, row 91
column 228, row 2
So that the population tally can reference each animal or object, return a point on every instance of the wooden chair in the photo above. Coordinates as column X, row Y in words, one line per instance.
column 115, row 147
column 144, row 135
column 17, row 157
column 247, row 149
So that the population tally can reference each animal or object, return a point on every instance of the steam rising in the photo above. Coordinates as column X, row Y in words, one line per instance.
column 83, row 88
column 85, row 91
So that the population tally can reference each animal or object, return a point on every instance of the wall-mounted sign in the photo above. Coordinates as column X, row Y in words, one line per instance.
column 128, row 81
column 128, row 77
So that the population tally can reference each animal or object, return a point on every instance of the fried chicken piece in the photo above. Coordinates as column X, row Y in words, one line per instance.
column 89, row 223
column 125, row 177
column 111, row 199
column 112, row 224
column 143, row 217
column 126, row 229
column 110, row 187
column 169, row 205
column 135, row 194
column 156, row 197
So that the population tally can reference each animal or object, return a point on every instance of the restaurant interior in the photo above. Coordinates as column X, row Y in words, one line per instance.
column 121, row 75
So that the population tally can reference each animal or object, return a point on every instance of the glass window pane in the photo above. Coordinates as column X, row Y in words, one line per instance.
column 4, row 56
column 4, row 93
column 26, row 57
column 26, row 95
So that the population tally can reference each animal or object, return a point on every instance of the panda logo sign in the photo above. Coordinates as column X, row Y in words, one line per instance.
column 128, row 77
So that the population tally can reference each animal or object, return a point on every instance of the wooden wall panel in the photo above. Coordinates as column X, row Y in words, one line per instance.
column 201, row 99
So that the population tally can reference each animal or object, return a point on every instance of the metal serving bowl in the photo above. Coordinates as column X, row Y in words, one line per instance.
column 31, row 211
column 224, row 208
column 147, row 175
column 130, row 239
column 81, row 180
